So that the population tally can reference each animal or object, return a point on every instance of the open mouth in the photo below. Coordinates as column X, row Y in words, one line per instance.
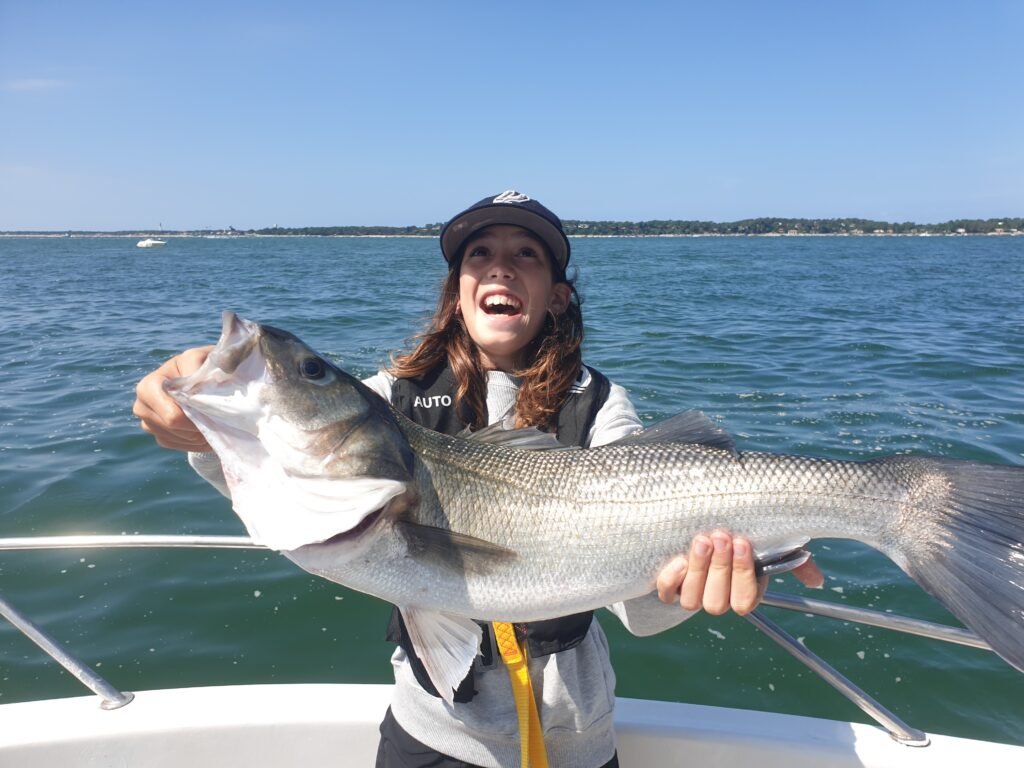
column 501, row 304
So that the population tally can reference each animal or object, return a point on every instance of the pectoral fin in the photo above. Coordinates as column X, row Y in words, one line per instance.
column 448, row 549
column 447, row 646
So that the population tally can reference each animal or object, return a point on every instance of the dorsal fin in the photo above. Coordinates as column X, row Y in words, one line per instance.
column 529, row 438
column 687, row 427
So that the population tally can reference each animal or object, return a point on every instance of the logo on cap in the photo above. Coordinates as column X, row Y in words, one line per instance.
column 511, row 196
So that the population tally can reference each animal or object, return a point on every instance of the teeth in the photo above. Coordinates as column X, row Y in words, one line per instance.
column 501, row 301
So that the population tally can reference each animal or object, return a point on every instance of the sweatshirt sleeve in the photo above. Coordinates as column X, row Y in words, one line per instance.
column 616, row 419
column 647, row 615
column 381, row 383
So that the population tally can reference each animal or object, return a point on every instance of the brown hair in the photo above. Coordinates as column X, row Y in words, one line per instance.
column 550, row 363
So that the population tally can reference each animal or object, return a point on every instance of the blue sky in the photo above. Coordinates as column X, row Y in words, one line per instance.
column 252, row 114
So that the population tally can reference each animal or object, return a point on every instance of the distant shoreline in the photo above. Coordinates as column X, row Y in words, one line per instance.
column 248, row 236
column 760, row 227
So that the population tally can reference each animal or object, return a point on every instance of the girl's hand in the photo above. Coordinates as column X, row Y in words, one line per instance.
column 159, row 414
column 718, row 574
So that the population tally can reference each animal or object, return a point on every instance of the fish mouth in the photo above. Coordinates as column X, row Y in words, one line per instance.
column 239, row 339
column 221, row 391
column 503, row 303
column 238, row 336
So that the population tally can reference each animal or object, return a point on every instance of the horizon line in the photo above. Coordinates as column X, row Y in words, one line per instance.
column 581, row 223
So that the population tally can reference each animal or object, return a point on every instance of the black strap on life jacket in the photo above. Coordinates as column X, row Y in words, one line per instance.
column 542, row 637
column 429, row 400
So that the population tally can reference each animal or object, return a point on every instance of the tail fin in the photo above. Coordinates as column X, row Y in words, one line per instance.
column 973, row 558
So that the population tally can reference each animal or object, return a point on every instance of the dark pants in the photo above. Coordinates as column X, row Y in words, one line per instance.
column 398, row 749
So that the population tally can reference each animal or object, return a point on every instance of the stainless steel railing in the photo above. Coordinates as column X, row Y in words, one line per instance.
column 900, row 731
column 127, row 541
column 110, row 697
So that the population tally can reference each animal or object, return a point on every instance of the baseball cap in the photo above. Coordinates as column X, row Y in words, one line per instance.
column 510, row 207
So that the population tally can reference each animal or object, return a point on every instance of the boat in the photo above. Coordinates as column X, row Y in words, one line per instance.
column 253, row 726
column 150, row 242
column 257, row 726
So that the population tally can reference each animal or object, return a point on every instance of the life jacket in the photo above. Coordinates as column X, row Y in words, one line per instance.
column 429, row 400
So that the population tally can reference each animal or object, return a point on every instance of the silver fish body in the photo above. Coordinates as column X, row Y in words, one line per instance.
column 589, row 528
column 480, row 528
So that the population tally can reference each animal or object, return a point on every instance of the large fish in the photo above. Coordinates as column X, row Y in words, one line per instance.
column 504, row 527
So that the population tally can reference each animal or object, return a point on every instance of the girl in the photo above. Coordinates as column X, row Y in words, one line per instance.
column 505, row 345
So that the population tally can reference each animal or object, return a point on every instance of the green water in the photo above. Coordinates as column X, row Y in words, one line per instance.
column 849, row 348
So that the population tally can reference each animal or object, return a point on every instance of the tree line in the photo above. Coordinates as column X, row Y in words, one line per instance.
column 664, row 227
column 654, row 228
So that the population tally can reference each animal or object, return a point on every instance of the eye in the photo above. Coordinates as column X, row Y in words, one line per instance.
column 527, row 253
column 477, row 252
column 312, row 368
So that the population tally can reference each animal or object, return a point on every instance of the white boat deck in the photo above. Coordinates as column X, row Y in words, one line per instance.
column 251, row 726
column 316, row 725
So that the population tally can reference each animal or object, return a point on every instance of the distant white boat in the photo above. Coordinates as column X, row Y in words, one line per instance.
column 150, row 242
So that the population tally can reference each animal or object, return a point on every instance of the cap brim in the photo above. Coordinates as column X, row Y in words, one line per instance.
column 463, row 227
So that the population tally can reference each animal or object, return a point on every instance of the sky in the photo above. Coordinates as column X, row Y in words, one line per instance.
column 208, row 115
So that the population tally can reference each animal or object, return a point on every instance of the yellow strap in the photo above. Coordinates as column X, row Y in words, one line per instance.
column 531, row 737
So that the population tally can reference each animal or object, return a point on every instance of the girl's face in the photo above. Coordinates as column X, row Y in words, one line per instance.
column 505, row 292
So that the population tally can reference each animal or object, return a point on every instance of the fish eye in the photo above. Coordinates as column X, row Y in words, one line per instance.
column 312, row 368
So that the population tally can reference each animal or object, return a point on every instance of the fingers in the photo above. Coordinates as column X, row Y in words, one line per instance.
column 717, row 587
column 671, row 578
column 810, row 575
column 691, row 586
column 716, row 575
column 747, row 589
column 719, row 573
column 159, row 414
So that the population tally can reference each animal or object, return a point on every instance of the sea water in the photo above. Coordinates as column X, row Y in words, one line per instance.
column 843, row 347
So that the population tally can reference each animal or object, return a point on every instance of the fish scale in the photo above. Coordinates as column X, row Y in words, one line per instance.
column 502, row 526
column 646, row 501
